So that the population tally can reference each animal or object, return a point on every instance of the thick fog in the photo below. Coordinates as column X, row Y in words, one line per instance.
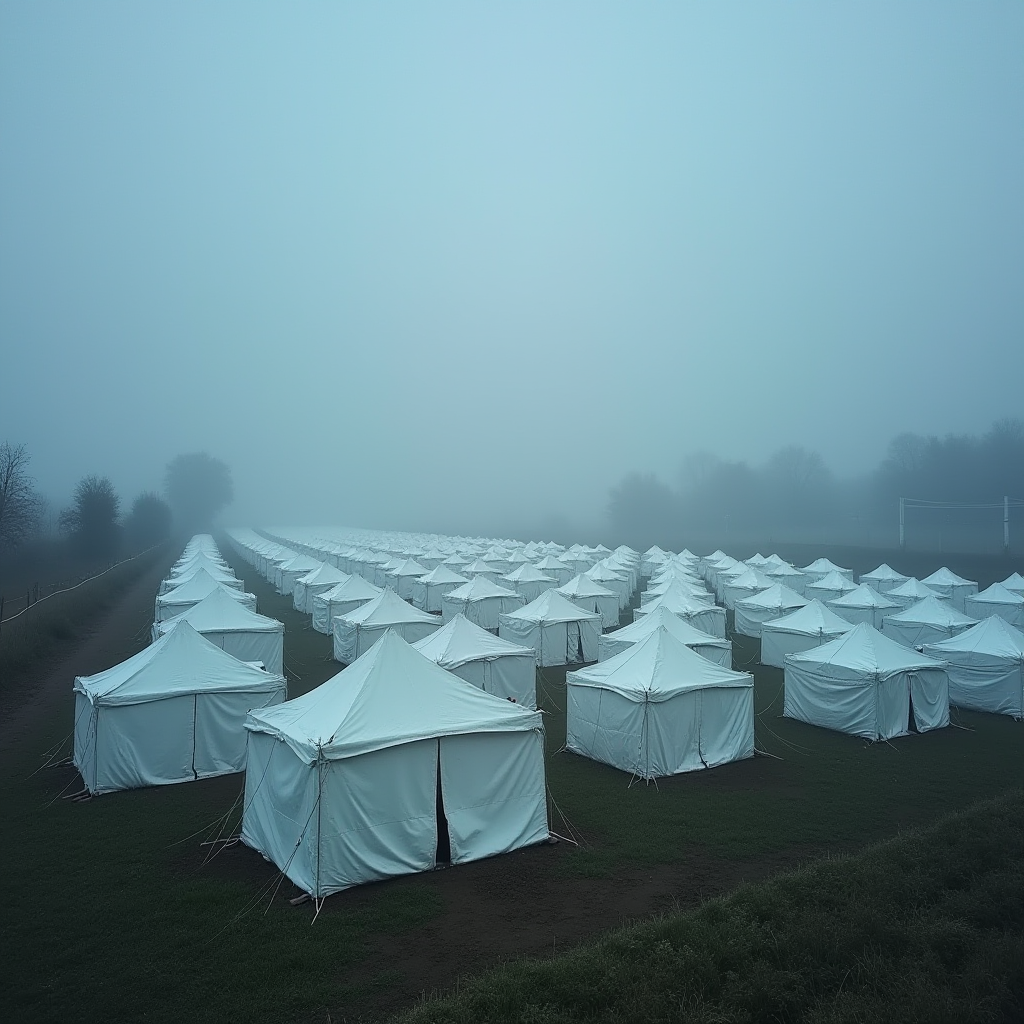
column 466, row 266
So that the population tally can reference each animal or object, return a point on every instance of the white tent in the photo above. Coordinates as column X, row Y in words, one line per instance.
column 481, row 601
column 753, row 612
column 953, row 588
column 828, row 587
column 340, row 600
column 287, row 573
column 319, row 581
column 478, row 656
column 428, row 590
column 1014, row 582
column 583, row 592
column 357, row 631
column 617, row 581
column 810, row 626
column 909, row 593
column 183, row 573
column 884, row 578
column 864, row 605
column 381, row 768
column 528, row 581
column 708, row 618
column 402, row 579
column 785, row 573
column 747, row 584
column 676, row 585
column 926, row 622
column 229, row 625
column 822, row 567
column 997, row 600
column 660, row 709
column 555, row 568
column 478, row 567
column 559, row 631
column 985, row 665
column 715, row 649
column 201, row 585
column 172, row 713
column 868, row 685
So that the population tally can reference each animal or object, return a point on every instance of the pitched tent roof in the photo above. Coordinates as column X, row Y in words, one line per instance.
column 583, row 586
column 443, row 574
column 386, row 608
column 389, row 696
column 460, row 641
column 833, row 581
column 657, row 668
column 823, row 565
column 196, row 588
column 997, row 594
column 527, row 573
column 325, row 573
column 1015, row 583
column 220, row 612
column 992, row 635
column 300, row 562
column 946, row 578
column 776, row 596
column 180, row 662
column 864, row 597
column 863, row 651
column 552, row 607
column 814, row 619
column 883, row 574
column 479, row 589
column 913, row 588
column 933, row 611
column 662, row 618
column 410, row 567
column 355, row 588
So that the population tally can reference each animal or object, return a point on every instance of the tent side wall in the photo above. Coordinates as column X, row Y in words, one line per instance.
column 220, row 736
column 726, row 724
column 266, row 646
column 777, row 643
column 981, row 682
column 494, row 793
column 832, row 702
column 84, row 757
column 512, row 676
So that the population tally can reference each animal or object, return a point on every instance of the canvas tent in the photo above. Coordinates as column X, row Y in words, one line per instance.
column 375, row 772
column 747, row 584
column 713, row 648
column 481, row 601
column 997, row 600
column 229, row 625
column 829, row 587
column 867, row 685
column 558, row 631
column 583, row 592
column 910, row 592
column 822, row 567
column 753, row 612
column 318, row 581
column 884, row 578
column 953, row 588
column 402, row 579
column 810, row 626
column 708, row 618
column 864, row 605
column 926, row 622
column 428, row 590
column 340, row 600
column 659, row 709
column 288, row 573
column 180, row 599
column 478, row 656
column 528, row 582
column 172, row 713
column 1015, row 583
column 357, row 631
column 985, row 666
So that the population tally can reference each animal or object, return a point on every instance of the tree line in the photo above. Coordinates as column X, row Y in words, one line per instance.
column 795, row 492
column 95, row 525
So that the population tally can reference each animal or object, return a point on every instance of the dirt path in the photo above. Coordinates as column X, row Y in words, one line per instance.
column 120, row 633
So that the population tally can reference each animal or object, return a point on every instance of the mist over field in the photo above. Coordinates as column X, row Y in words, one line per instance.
column 551, row 269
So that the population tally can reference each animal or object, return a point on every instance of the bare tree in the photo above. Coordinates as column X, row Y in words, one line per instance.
column 20, row 504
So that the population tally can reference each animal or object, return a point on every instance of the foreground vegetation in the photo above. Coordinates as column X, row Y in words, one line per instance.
column 925, row 927
column 117, row 912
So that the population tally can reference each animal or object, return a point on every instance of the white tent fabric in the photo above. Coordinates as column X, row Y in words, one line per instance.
column 1015, row 583
column 706, row 618
column 355, row 780
column 884, row 578
column 909, row 593
column 926, row 622
column 182, row 574
column 753, row 612
column 287, row 573
column 494, row 665
column 528, row 582
column 201, row 585
column 357, row 631
column 864, row 605
column 555, row 568
column 340, row 600
column 747, row 584
column 985, row 666
column 229, row 625
column 617, row 582
column 481, row 601
column 713, row 648
column 583, row 592
column 786, row 574
column 402, row 579
column 996, row 600
column 828, row 587
column 810, row 626
column 318, row 581
column 866, row 684
column 172, row 713
column 558, row 631
column 660, row 709
column 954, row 588
column 428, row 590
column 822, row 567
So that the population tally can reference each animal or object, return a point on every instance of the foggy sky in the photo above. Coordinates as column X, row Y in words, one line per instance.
column 409, row 262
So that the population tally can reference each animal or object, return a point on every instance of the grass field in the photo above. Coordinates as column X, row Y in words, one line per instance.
column 113, row 914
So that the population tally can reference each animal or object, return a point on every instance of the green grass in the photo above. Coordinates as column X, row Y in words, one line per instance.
column 111, row 915
column 926, row 927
